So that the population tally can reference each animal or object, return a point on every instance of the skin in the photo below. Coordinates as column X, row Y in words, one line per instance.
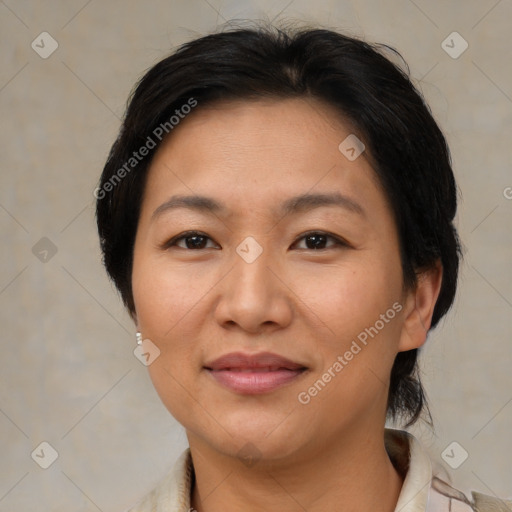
column 305, row 304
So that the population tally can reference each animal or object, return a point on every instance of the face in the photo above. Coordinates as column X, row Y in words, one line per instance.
column 259, row 240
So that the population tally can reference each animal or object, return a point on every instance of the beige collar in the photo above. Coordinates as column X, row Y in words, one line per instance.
column 406, row 453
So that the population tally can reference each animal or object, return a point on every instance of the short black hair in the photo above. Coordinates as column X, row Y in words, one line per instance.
column 359, row 80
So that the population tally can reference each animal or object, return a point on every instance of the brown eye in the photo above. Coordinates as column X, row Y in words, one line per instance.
column 318, row 240
column 192, row 240
column 195, row 241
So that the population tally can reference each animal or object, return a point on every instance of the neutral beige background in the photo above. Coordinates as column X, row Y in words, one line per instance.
column 68, row 375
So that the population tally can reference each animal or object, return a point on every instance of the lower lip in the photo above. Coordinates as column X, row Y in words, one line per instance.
column 253, row 383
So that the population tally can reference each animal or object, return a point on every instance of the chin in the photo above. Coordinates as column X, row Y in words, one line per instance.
column 257, row 449
column 250, row 435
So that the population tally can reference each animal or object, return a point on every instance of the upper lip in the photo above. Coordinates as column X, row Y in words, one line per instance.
column 239, row 360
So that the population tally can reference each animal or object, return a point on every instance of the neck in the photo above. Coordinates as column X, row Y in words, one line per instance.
column 353, row 474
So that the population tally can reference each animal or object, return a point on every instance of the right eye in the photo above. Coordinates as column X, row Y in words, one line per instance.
column 192, row 240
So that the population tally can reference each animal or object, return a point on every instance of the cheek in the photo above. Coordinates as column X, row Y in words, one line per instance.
column 172, row 306
column 166, row 295
column 362, row 313
column 168, row 301
column 346, row 299
column 353, row 306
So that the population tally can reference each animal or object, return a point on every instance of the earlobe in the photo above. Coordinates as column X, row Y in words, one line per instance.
column 419, row 308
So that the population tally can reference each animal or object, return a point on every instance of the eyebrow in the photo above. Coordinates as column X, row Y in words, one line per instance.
column 199, row 203
column 301, row 203
column 306, row 202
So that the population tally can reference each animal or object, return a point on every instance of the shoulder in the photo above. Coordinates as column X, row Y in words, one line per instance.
column 424, row 490
column 457, row 501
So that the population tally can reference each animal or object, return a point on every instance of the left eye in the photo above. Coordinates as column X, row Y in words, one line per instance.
column 318, row 241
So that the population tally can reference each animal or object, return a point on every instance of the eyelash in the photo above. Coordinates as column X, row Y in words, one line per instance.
column 338, row 242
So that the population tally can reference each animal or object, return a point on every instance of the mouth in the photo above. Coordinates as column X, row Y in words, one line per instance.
column 253, row 374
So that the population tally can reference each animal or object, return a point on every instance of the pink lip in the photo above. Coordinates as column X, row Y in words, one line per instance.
column 253, row 373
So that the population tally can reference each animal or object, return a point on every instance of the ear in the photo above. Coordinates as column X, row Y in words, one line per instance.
column 419, row 307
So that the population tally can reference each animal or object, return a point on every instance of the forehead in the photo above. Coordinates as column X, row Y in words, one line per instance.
column 260, row 150
column 261, row 124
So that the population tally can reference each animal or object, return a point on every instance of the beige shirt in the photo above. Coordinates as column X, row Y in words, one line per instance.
column 422, row 491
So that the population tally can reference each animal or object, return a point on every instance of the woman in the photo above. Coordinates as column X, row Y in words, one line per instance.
column 277, row 216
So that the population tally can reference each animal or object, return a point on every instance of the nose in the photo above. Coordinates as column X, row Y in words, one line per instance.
column 254, row 298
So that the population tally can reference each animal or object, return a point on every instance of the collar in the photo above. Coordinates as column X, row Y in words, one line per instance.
column 405, row 451
column 413, row 463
